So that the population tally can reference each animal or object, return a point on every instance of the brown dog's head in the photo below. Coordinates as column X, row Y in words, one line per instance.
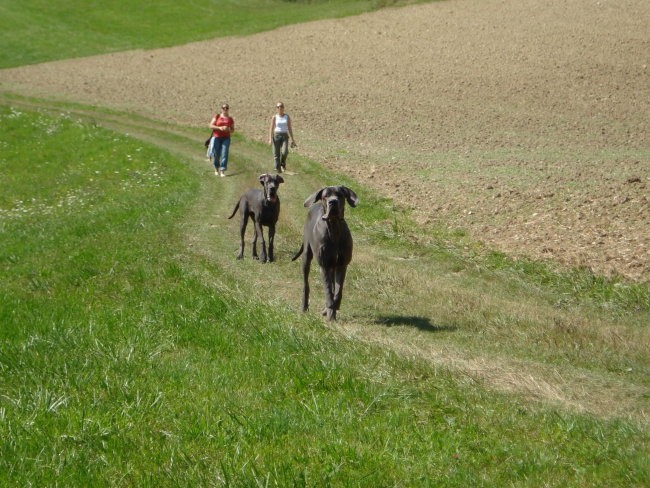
column 270, row 184
column 333, row 198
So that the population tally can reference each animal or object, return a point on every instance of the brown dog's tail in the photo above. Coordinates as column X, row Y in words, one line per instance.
column 302, row 248
column 234, row 211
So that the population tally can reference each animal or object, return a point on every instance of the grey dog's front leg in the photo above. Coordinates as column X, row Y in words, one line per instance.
column 258, row 230
column 338, row 286
column 271, row 238
column 328, row 284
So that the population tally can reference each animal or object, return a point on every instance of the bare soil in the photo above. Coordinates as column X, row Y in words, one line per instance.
column 525, row 122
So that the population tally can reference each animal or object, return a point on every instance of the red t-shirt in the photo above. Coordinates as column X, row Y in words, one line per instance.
column 223, row 120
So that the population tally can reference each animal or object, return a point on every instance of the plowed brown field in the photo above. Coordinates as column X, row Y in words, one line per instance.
column 525, row 122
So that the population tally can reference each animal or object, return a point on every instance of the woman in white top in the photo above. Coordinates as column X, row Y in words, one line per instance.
column 279, row 134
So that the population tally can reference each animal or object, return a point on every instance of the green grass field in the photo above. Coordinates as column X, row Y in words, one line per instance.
column 129, row 358
column 136, row 351
column 33, row 31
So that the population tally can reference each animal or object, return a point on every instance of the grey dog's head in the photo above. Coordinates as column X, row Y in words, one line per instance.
column 271, row 184
column 333, row 199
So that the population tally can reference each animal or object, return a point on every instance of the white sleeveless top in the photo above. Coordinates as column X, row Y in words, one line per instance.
column 281, row 124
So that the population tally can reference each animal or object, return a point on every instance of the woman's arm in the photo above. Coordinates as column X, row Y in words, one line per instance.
column 290, row 130
column 271, row 129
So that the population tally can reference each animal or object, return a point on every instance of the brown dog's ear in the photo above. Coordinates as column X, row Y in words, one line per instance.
column 279, row 179
column 350, row 196
column 313, row 198
column 263, row 178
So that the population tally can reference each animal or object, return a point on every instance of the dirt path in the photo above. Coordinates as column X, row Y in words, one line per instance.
column 524, row 122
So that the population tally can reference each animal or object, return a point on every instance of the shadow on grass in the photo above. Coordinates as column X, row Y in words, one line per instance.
column 421, row 323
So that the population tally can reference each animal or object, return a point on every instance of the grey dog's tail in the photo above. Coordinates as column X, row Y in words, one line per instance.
column 234, row 211
column 302, row 248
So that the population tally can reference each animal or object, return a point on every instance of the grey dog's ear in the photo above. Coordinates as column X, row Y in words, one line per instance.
column 263, row 178
column 313, row 198
column 279, row 179
column 350, row 196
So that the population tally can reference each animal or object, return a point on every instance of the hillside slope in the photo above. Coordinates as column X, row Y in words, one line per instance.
column 525, row 123
column 406, row 294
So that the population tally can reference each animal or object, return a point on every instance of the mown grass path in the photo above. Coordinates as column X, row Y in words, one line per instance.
column 405, row 290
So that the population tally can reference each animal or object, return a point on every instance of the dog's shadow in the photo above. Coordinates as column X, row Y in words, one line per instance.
column 420, row 323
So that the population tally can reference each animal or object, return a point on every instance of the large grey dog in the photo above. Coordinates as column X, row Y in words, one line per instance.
column 326, row 235
column 263, row 208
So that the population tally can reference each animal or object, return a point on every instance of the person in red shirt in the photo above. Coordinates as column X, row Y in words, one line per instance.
column 222, row 125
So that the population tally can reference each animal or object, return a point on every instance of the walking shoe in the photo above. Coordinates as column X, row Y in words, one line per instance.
column 222, row 173
column 216, row 172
